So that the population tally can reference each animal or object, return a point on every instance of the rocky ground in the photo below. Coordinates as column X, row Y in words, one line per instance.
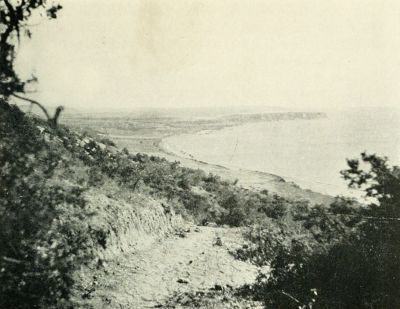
column 189, row 270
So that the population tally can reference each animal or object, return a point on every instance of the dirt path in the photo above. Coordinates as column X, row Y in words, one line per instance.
column 175, row 265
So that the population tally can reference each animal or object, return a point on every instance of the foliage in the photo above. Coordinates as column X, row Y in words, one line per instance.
column 348, row 257
column 380, row 182
column 204, row 198
column 43, row 235
column 15, row 17
column 264, row 239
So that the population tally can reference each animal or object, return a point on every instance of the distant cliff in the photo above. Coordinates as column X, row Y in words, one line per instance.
column 274, row 116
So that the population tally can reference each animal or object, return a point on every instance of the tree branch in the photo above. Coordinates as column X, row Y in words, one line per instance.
column 51, row 120
column 291, row 297
column 34, row 102
column 11, row 260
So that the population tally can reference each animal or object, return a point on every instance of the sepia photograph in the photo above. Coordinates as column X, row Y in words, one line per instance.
column 205, row 154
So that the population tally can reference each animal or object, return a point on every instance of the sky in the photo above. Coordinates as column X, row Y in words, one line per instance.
column 294, row 54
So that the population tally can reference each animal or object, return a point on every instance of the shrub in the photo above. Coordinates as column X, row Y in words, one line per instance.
column 276, row 208
column 43, row 238
column 350, row 260
column 235, row 209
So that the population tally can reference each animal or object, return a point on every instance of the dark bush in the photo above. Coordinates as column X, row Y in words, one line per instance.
column 348, row 259
column 43, row 238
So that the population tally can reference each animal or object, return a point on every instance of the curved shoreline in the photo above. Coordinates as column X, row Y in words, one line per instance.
column 155, row 144
column 255, row 180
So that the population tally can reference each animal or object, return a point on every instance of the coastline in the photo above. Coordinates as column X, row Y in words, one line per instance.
column 153, row 141
column 249, row 179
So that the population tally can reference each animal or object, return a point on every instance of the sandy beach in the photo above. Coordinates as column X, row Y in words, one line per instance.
column 150, row 136
column 252, row 180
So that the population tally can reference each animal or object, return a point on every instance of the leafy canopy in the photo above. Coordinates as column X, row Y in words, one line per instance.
column 15, row 18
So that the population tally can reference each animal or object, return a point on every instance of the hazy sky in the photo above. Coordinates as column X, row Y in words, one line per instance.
column 176, row 53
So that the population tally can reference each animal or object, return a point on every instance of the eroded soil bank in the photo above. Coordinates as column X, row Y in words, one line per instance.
column 197, row 259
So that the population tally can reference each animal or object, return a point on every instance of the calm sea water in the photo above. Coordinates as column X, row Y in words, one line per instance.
column 308, row 152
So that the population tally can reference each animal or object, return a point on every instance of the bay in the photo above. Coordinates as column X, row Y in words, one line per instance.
column 310, row 153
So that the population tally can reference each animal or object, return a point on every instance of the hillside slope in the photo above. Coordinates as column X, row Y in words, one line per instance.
column 193, row 262
column 118, row 223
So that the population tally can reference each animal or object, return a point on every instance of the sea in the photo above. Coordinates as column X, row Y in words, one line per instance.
column 310, row 153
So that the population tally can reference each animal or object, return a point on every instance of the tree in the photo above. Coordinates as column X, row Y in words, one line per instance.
column 354, row 258
column 380, row 182
column 15, row 16
column 379, row 232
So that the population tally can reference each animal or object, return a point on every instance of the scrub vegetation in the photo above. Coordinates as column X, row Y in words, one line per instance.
column 69, row 201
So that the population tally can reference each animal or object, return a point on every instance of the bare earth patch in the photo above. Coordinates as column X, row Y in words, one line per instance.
column 194, row 261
